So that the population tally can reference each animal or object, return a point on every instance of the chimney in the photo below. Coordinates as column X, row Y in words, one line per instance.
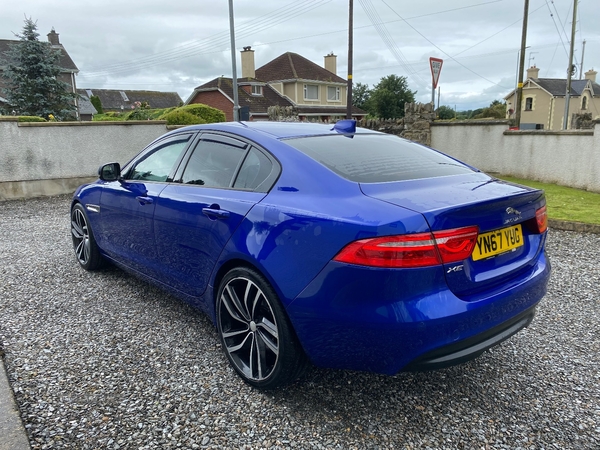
column 248, row 63
column 532, row 72
column 53, row 37
column 331, row 63
column 591, row 75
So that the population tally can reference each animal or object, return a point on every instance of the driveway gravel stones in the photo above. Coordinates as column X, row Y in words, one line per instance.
column 105, row 361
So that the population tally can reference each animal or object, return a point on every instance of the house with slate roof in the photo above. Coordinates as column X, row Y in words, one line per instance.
column 543, row 103
column 68, row 69
column 124, row 100
column 316, row 92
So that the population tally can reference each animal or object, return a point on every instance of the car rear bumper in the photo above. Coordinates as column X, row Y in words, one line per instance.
column 467, row 349
column 387, row 321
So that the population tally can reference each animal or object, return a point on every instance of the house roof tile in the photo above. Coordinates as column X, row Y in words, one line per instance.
column 258, row 104
column 65, row 62
column 113, row 99
column 85, row 106
column 557, row 87
column 291, row 66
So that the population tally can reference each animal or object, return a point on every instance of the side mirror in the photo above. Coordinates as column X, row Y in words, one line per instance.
column 109, row 172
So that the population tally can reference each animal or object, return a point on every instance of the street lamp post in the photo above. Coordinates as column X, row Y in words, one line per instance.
column 236, row 106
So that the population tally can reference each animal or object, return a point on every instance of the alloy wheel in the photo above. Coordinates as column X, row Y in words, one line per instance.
column 81, row 236
column 249, row 329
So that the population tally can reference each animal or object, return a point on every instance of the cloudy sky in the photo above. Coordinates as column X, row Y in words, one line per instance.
column 178, row 45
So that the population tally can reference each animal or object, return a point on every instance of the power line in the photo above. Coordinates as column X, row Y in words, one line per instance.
column 448, row 55
column 556, row 26
column 209, row 45
column 388, row 40
column 250, row 27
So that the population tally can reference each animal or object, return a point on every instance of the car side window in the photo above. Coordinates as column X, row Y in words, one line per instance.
column 213, row 164
column 157, row 165
column 255, row 169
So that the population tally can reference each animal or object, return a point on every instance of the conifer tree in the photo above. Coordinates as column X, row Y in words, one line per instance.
column 31, row 70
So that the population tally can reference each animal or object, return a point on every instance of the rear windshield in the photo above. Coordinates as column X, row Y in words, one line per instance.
column 376, row 158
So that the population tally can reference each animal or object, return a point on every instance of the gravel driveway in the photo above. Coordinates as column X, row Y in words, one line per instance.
column 104, row 361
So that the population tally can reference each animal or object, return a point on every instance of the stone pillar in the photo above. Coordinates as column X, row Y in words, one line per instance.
column 417, row 122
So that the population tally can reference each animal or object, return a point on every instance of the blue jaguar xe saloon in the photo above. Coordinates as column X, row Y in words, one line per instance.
column 334, row 245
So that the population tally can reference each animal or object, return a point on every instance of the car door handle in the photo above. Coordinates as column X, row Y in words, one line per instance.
column 215, row 213
column 144, row 200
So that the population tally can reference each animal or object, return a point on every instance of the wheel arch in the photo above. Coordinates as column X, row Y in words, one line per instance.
column 241, row 262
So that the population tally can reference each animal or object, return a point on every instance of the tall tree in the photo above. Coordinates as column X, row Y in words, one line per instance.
column 496, row 110
column 31, row 71
column 361, row 94
column 445, row 112
column 389, row 96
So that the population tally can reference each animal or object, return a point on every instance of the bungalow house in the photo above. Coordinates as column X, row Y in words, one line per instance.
column 543, row 102
column 123, row 100
column 316, row 92
column 68, row 69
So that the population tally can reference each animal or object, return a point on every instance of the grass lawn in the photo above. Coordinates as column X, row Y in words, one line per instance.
column 565, row 203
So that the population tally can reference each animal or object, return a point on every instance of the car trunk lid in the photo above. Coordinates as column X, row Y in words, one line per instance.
column 504, row 212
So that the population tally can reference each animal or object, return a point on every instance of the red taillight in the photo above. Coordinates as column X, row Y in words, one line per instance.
column 411, row 250
column 541, row 218
column 456, row 245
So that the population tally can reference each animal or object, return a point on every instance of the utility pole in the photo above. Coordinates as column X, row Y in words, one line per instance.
column 521, row 64
column 570, row 68
column 350, row 37
column 582, row 55
column 236, row 105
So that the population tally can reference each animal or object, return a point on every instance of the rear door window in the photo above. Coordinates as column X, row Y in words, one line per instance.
column 254, row 171
column 376, row 158
column 214, row 163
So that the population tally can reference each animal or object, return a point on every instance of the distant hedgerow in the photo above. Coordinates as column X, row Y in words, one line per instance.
column 180, row 117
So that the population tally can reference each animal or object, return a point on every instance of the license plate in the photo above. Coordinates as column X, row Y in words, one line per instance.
column 496, row 242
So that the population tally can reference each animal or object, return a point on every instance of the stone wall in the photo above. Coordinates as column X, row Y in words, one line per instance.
column 283, row 114
column 415, row 125
column 583, row 121
column 417, row 122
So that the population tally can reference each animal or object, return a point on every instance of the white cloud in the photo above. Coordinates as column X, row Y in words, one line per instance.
column 178, row 45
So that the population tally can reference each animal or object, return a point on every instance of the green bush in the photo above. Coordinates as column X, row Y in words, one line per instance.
column 159, row 112
column 180, row 117
column 31, row 119
column 95, row 100
column 207, row 113
column 110, row 116
column 139, row 114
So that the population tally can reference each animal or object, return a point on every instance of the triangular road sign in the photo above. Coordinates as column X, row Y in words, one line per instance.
column 436, row 68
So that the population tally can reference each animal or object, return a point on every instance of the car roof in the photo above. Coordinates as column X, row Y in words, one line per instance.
column 278, row 130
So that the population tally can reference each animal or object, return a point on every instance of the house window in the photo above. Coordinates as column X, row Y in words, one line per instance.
column 333, row 94
column 311, row 92
column 257, row 90
column 584, row 103
column 529, row 104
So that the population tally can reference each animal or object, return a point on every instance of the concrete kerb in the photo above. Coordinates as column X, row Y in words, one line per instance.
column 573, row 226
column 12, row 431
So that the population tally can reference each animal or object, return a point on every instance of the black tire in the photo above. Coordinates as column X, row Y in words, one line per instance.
column 255, row 332
column 85, row 247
